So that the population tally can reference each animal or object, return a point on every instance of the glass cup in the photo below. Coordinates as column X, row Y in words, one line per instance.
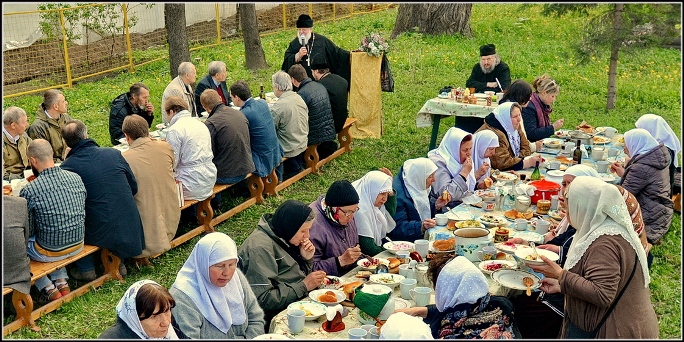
column 487, row 253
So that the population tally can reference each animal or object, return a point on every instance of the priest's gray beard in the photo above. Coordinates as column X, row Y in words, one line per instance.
column 306, row 38
column 488, row 70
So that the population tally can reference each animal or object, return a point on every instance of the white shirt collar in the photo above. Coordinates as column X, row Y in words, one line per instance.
column 13, row 138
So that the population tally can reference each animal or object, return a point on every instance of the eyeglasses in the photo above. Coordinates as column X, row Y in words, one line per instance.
column 349, row 212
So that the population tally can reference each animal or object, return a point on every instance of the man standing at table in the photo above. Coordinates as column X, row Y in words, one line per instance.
column 307, row 44
column 488, row 70
column 216, row 79
column 112, row 218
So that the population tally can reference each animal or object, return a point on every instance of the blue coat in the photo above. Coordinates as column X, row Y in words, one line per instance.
column 208, row 83
column 266, row 150
column 112, row 219
column 407, row 218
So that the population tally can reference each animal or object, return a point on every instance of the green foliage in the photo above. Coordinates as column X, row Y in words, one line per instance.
column 649, row 81
column 51, row 24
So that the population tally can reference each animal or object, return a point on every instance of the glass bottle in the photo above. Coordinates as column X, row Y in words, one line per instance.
column 536, row 175
column 577, row 154
column 261, row 92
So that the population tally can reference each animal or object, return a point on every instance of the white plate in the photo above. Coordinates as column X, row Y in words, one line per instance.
column 388, row 279
column 602, row 129
column 335, row 284
column 340, row 295
column 315, row 309
column 512, row 279
column 480, row 95
column 443, row 96
column 555, row 173
column 271, row 337
column 395, row 246
column 373, row 267
column 528, row 236
column 505, row 264
column 492, row 220
column 553, row 142
column 554, row 215
column 606, row 177
column 459, row 215
column 505, row 177
column 433, row 250
column 522, row 253
column 598, row 140
column 502, row 246
column 562, row 133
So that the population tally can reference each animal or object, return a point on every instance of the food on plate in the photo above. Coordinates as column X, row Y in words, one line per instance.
column 505, row 176
column 363, row 274
column 394, row 262
column 562, row 133
column 585, row 127
column 495, row 266
column 514, row 214
column 601, row 140
column 416, row 256
column 331, row 281
column 490, row 219
column 564, row 160
column 501, row 256
column 444, row 245
column 552, row 143
column 6, row 189
column 488, row 182
column 468, row 223
column 531, row 257
column 328, row 297
column 370, row 263
column 446, row 196
column 388, row 279
column 307, row 312
column 349, row 289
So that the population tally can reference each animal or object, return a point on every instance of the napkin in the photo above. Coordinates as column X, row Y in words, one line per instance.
column 584, row 151
column 334, row 319
column 525, row 189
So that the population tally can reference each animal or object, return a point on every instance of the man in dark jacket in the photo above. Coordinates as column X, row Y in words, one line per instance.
column 135, row 101
column 307, row 44
column 216, row 80
column 336, row 87
column 112, row 219
column 321, row 124
column 488, row 70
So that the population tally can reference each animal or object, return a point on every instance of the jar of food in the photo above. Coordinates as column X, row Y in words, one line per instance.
column 489, row 100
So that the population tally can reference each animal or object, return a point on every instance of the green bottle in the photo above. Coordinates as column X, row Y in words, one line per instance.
column 536, row 175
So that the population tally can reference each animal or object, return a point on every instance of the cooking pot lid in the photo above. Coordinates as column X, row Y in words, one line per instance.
column 543, row 185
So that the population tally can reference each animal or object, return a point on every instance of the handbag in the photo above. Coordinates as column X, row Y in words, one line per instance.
column 386, row 79
column 573, row 332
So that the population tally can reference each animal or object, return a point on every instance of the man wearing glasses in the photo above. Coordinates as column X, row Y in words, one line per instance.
column 490, row 74
column 334, row 232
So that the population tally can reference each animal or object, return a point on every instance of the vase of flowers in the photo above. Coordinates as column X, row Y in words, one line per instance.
column 374, row 45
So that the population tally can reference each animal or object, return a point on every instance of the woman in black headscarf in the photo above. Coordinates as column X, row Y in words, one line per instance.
column 277, row 258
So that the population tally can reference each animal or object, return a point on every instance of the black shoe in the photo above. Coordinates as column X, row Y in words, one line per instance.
column 85, row 276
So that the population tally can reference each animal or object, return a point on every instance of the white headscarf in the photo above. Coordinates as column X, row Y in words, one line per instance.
column 502, row 113
column 575, row 170
column 639, row 141
column 372, row 221
column 127, row 310
column 415, row 173
column 459, row 282
column 400, row 326
column 662, row 133
column 222, row 306
column 483, row 140
column 597, row 208
column 450, row 150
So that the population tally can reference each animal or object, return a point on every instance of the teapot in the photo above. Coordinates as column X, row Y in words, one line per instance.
column 522, row 203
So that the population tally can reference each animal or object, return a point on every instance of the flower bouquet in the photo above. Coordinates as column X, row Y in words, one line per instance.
column 374, row 45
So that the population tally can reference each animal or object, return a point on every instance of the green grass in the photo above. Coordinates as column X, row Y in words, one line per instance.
column 649, row 82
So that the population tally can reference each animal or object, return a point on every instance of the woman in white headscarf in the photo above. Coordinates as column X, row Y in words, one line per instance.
column 514, row 148
column 663, row 134
column 455, row 172
column 415, row 212
column 646, row 176
column 400, row 326
column 213, row 298
column 373, row 221
column 144, row 312
column 604, row 258
column 484, row 146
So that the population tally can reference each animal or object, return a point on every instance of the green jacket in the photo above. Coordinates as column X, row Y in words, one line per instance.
column 14, row 156
column 47, row 128
column 276, row 278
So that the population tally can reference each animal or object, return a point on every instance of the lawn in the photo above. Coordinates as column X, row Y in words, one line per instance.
column 649, row 81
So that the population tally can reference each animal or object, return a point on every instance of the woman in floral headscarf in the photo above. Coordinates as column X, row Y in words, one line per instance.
column 213, row 298
column 144, row 312
column 373, row 221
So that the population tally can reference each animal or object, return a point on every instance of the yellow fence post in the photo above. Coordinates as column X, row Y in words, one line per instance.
column 67, row 65
column 351, row 9
column 218, row 24
column 128, row 37
column 284, row 17
column 311, row 10
column 333, row 11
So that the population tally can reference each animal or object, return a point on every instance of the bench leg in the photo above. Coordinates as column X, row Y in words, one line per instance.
column 256, row 188
column 311, row 158
column 205, row 214
column 345, row 138
column 270, row 183
column 111, row 264
column 23, row 304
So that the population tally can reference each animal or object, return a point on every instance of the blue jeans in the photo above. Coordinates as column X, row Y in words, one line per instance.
column 59, row 273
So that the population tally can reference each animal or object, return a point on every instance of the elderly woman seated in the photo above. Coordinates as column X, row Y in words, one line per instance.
column 513, row 152
column 373, row 221
column 214, row 300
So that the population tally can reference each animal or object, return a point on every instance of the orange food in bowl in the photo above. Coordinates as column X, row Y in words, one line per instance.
column 6, row 189
column 444, row 245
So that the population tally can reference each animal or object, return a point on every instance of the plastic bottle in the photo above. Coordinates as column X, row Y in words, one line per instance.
column 536, row 175
column 577, row 154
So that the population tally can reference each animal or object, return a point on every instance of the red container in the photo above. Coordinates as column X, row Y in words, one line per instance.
column 545, row 189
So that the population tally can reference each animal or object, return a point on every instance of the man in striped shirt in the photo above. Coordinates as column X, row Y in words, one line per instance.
column 56, row 209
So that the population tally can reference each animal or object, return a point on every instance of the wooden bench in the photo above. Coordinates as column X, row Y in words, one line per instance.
column 23, row 303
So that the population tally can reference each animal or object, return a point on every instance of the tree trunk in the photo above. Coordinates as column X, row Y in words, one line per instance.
column 254, row 53
column 434, row 18
column 179, row 50
column 616, row 41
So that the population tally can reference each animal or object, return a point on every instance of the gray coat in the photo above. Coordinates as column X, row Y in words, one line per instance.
column 647, row 178
column 195, row 326
column 15, row 233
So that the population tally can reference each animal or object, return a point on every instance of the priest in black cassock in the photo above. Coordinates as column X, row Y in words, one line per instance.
column 308, row 44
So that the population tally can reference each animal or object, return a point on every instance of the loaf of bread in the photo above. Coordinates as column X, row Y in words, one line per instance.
column 444, row 245
column 328, row 297
column 446, row 196
column 394, row 262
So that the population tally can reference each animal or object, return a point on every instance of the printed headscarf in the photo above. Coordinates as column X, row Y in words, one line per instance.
column 459, row 282
column 127, row 310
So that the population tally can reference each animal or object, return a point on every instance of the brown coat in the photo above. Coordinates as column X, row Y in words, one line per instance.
column 14, row 156
column 503, row 158
column 44, row 127
column 594, row 282
column 157, row 199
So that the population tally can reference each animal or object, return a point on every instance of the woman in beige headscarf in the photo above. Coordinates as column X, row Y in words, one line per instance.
column 604, row 252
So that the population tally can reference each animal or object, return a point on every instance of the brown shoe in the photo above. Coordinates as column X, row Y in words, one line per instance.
column 52, row 294
column 63, row 289
column 140, row 262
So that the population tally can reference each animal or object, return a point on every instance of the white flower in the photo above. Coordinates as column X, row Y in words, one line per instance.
column 371, row 45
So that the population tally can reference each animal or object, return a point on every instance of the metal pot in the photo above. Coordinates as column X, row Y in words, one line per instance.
column 544, row 190
column 584, row 138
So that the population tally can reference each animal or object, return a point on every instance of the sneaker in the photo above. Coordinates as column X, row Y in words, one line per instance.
column 63, row 289
column 52, row 294
column 85, row 276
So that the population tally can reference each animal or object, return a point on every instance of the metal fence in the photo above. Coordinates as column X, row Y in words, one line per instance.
column 68, row 44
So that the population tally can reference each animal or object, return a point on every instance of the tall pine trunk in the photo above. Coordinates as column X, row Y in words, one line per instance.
column 179, row 49
column 434, row 18
column 254, row 53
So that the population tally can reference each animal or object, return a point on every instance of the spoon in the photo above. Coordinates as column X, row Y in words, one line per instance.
column 382, row 268
column 528, row 282
column 536, row 255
